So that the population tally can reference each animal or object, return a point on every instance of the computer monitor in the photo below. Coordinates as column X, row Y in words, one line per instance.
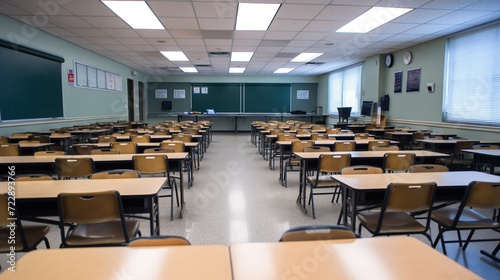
column 367, row 108
column 166, row 104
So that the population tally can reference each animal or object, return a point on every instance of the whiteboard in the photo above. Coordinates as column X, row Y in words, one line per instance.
column 91, row 77
column 81, row 74
column 101, row 79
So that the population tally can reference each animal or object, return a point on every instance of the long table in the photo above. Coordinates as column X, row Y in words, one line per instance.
column 211, row 262
column 43, row 164
column 451, row 186
column 397, row 257
column 30, row 193
column 486, row 156
column 309, row 161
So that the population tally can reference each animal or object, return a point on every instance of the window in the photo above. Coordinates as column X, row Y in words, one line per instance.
column 472, row 77
column 345, row 90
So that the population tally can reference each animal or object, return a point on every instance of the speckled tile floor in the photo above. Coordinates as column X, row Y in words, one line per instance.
column 236, row 199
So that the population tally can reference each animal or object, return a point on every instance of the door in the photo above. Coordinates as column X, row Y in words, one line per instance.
column 130, row 103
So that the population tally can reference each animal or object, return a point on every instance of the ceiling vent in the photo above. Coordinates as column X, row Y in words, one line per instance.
column 219, row 54
column 314, row 63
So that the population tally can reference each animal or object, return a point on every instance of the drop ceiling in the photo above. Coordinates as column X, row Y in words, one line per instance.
column 201, row 27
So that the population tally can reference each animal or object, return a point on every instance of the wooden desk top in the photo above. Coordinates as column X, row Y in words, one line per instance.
column 332, row 142
column 395, row 257
column 442, row 179
column 34, row 145
column 51, row 188
column 453, row 141
column 372, row 154
column 173, row 263
column 486, row 152
column 49, row 159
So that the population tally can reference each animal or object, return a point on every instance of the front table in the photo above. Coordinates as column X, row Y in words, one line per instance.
column 397, row 257
column 169, row 262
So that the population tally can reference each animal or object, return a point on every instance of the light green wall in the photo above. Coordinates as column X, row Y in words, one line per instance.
column 81, row 106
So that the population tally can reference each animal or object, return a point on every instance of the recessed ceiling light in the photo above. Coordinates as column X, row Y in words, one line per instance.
column 188, row 69
column 137, row 14
column 175, row 56
column 372, row 19
column 241, row 56
column 283, row 70
column 236, row 70
column 305, row 57
column 255, row 16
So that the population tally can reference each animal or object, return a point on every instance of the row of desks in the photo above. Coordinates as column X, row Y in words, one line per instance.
column 369, row 258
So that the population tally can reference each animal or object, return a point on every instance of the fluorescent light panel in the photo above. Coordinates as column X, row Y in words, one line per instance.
column 283, row 70
column 237, row 70
column 175, row 56
column 253, row 16
column 305, row 57
column 372, row 19
column 241, row 56
column 188, row 69
column 137, row 14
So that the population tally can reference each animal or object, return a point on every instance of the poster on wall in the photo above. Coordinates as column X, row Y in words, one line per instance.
column 413, row 80
column 161, row 94
column 398, row 82
column 303, row 94
column 179, row 94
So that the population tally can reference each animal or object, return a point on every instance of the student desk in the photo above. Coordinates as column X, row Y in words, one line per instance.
column 309, row 161
column 486, row 156
column 30, row 192
column 451, row 186
column 448, row 146
column 43, row 164
column 31, row 147
column 211, row 262
column 397, row 257
column 85, row 135
column 284, row 149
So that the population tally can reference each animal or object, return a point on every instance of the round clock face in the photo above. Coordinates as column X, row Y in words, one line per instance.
column 407, row 58
column 389, row 60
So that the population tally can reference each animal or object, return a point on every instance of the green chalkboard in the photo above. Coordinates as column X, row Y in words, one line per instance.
column 31, row 83
column 220, row 97
column 267, row 98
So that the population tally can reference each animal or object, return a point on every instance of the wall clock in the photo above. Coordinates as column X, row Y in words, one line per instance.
column 407, row 57
column 389, row 60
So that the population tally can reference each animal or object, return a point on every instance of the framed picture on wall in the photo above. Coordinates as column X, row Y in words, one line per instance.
column 398, row 82
column 413, row 80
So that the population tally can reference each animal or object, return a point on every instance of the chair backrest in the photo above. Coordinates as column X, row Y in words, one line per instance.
column 106, row 138
column 83, row 149
column 361, row 169
column 398, row 161
column 332, row 130
column 159, row 241
column 385, row 148
column 4, row 140
column 9, row 150
column 158, row 150
column 317, row 232
column 316, row 149
column 298, row 146
column 408, row 197
column 428, row 168
column 151, row 164
column 34, row 177
column 486, row 146
column 117, row 174
column 40, row 138
column 333, row 163
column 90, row 207
column 125, row 147
column 145, row 138
column 345, row 146
column 361, row 135
column 182, row 137
column 484, row 195
column 303, row 131
column 285, row 136
column 74, row 167
column 178, row 146
column 105, row 151
column 49, row 153
column 371, row 144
